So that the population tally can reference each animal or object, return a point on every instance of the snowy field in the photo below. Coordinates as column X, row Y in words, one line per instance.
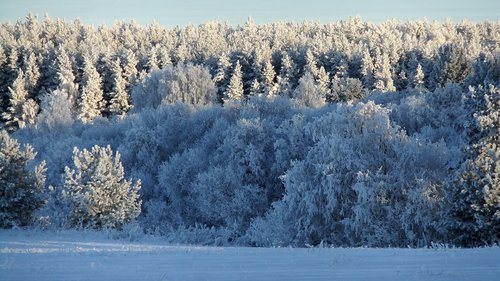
column 29, row 255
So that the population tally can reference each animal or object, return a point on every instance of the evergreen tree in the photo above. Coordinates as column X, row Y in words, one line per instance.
column 97, row 191
column 269, row 74
column 288, row 73
column 66, row 77
column 20, row 188
column 234, row 90
column 474, row 197
column 367, row 70
column 383, row 75
column 311, row 65
column 32, row 74
column 119, row 98
column 221, row 76
column 417, row 78
column 92, row 100
column 21, row 110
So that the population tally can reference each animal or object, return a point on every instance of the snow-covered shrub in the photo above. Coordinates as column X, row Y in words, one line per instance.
column 97, row 192
column 183, row 83
column 20, row 189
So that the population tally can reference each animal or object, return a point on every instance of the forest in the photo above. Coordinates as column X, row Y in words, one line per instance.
column 344, row 134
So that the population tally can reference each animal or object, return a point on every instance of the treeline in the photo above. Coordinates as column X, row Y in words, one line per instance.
column 349, row 134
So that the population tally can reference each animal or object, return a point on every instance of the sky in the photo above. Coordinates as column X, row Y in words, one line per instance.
column 183, row 12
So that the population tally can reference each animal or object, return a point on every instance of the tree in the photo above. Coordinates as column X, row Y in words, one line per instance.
column 20, row 188
column 56, row 111
column 474, row 196
column 32, row 74
column 288, row 73
column 383, row 75
column 221, row 76
column 417, row 78
column 234, row 90
column 66, row 77
column 21, row 110
column 367, row 70
column 307, row 93
column 97, row 192
column 92, row 100
column 346, row 89
column 269, row 74
column 119, row 97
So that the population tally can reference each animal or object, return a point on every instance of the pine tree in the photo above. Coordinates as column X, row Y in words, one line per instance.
column 164, row 58
column 129, row 65
column 417, row 78
column 66, row 77
column 311, row 65
column 474, row 197
column 153, row 62
column 119, row 98
column 367, row 70
column 323, row 82
column 32, row 74
column 97, row 191
column 20, row 188
column 383, row 75
column 91, row 103
column 288, row 73
column 221, row 76
column 268, row 74
column 21, row 110
column 235, row 88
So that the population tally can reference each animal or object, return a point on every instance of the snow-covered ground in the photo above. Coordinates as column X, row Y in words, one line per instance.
column 30, row 255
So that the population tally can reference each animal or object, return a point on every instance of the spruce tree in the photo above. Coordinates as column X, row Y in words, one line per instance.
column 21, row 110
column 383, row 75
column 235, row 88
column 91, row 103
column 119, row 98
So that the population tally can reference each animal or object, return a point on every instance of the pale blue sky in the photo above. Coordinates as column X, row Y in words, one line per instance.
column 182, row 12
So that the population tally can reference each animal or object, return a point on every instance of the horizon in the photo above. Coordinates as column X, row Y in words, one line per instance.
column 197, row 12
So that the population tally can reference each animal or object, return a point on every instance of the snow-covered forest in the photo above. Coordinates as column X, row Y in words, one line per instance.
column 282, row 134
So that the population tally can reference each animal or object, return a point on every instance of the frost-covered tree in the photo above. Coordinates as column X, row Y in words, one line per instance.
column 234, row 90
column 97, row 191
column 21, row 110
column 269, row 74
column 307, row 93
column 382, row 75
column 32, row 74
column 346, row 89
column 182, row 83
column 20, row 188
column 119, row 98
column 367, row 69
column 221, row 76
column 56, row 111
column 92, row 100
column 417, row 78
column 287, row 75
column 474, row 196
column 66, row 77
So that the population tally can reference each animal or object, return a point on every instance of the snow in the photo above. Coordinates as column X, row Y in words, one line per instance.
column 70, row 255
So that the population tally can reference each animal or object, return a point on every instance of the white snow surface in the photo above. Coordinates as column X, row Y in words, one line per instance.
column 70, row 255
